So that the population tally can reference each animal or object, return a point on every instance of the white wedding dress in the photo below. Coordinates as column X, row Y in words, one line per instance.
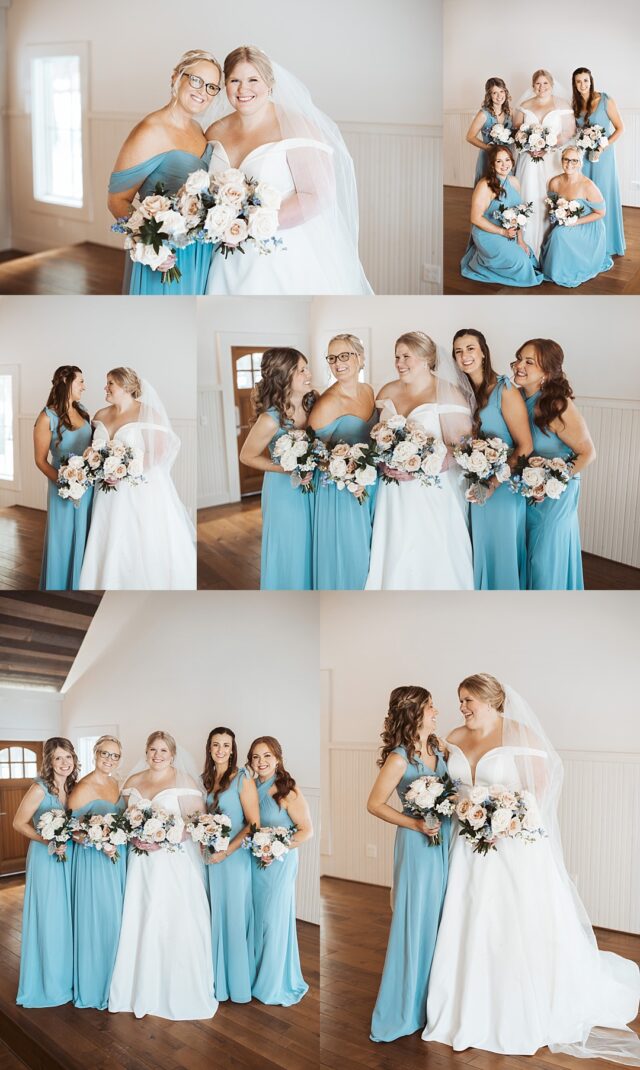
column 421, row 536
column 140, row 537
column 534, row 177
column 164, row 964
column 513, row 968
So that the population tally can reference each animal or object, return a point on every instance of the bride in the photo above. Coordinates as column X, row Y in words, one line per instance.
column 269, row 128
column 164, row 964
column 140, row 536
column 534, row 174
column 516, row 965
column 420, row 536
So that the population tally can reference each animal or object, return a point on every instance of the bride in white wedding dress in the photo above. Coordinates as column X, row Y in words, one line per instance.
column 516, row 965
column 273, row 132
column 164, row 963
column 140, row 537
column 534, row 175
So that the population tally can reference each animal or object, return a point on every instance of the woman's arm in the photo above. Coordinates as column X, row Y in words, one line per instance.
column 315, row 187
column 516, row 418
column 298, row 811
column 251, row 810
column 23, row 821
column 473, row 133
column 575, row 434
column 593, row 194
column 616, row 119
column 144, row 141
column 480, row 201
column 41, row 447
column 254, row 450
column 386, row 783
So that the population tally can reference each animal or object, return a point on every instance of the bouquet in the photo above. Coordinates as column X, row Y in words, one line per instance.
column 153, row 232
column 270, row 844
column 74, row 478
column 229, row 209
column 514, row 218
column 563, row 212
column 592, row 140
column 149, row 827
column 480, row 460
column 299, row 451
column 542, row 477
column 501, row 135
column 350, row 466
column 430, row 798
column 212, row 831
column 497, row 813
column 535, row 139
column 105, row 832
column 402, row 445
column 113, row 463
column 54, row 827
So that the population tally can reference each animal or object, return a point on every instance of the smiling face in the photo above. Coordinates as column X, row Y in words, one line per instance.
column 62, row 763
column 77, row 388
column 571, row 162
column 301, row 378
column 503, row 163
column 348, row 370
column 114, row 393
column 247, row 90
column 409, row 365
column 542, row 87
column 196, row 100
column 159, row 756
column 263, row 761
column 473, row 710
column 582, row 83
column 498, row 97
column 221, row 748
column 107, row 757
column 527, row 371
column 468, row 355
column 429, row 717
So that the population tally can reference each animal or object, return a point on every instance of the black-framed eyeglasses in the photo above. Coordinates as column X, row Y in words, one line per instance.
column 572, row 159
column 196, row 82
column 109, row 754
column 343, row 358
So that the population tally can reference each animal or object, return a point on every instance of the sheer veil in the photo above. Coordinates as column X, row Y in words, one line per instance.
column 455, row 398
column 161, row 444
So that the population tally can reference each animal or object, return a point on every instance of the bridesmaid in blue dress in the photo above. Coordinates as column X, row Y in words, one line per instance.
column 554, row 559
column 496, row 108
column 598, row 109
column 278, row 978
column 97, row 883
column 282, row 399
column 232, row 792
column 46, row 957
column 571, row 255
column 498, row 526
column 62, row 429
column 165, row 147
column 494, row 254
column 411, row 749
column 342, row 526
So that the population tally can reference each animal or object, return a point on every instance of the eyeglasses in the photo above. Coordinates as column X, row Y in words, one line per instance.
column 333, row 358
column 196, row 82
column 571, row 159
column 109, row 754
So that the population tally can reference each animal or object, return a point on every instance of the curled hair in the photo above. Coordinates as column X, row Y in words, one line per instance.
column 209, row 772
column 482, row 392
column 168, row 739
column 577, row 101
column 485, row 687
column 106, row 739
column 487, row 103
column 256, row 57
column 284, row 782
column 59, row 397
column 128, row 380
column 421, row 345
column 556, row 391
column 403, row 721
column 493, row 182
column 46, row 768
column 273, row 390
column 187, row 61
column 547, row 74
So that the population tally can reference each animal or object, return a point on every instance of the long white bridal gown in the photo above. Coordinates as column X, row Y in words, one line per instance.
column 421, row 534
column 140, row 536
column 164, row 964
column 534, row 177
column 514, row 969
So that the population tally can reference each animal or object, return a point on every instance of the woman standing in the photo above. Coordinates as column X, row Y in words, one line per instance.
column 573, row 254
column 63, row 429
column 496, row 109
column 46, row 957
column 598, row 109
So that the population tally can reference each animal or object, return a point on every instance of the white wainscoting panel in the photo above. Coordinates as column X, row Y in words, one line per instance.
column 308, row 883
column 213, row 482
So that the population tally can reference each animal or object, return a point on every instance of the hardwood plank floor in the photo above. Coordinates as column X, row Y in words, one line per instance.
column 240, row 1036
column 624, row 277
column 355, row 926
column 85, row 268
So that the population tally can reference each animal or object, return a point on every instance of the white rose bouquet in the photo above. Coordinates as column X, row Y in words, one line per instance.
column 535, row 139
column 269, row 844
column 228, row 209
column 592, row 140
column 481, row 459
column 299, row 451
column 54, row 827
column 562, row 212
column 115, row 463
column 403, row 450
column 212, row 831
column 490, row 814
column 104, row 832
column 74, row 478
column 431, row 798
column 150, row 828
column 501, row 134
column 538, row 478
column 514, row 218
column 350, row 466
column 153, row 232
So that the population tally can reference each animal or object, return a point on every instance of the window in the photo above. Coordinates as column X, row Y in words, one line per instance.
column 8, row 425
column 85, row 753
column 18, row 763
column 248, row 370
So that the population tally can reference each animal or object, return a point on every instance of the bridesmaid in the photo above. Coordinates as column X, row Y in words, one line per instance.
column 493, row 253
column 571, row 255
column 554, row 559
column 46, row 957
column 97, row 883
column 496, row 108
column 165, row 147
column 498, row 526
column 63, row 428
column 232, row 792
column 598, row 109
column 278, row 978
column 342, row 526
column 282, row 399
column 410, row 749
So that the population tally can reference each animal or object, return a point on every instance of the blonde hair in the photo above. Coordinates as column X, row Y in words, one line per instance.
column 256, row 57
column 547, row 74
column 569, row 148
column 106, row 739
column 169, row 740
column 188, row 60
column 421, row 345
column 485, row 687
column 128, row 380
column 352, row 340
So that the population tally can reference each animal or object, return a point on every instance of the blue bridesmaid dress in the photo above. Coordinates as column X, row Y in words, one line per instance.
column 489, row 121
column 341, row 525
column 287, row 521
column 498, row 526
column 67, row 527
column 229, row 885
column 419, row 883
column 278, row 978
column 493, row 258
column 604, row 172
column 554, row 557
column 171, row 168
column 97, row 895
column 46, row 957
column 573, row 255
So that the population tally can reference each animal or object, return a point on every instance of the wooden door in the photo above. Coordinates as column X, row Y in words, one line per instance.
column 246, row 373
column 19, row 764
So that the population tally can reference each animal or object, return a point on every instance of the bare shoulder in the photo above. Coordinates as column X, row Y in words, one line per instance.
column 134, row 779
column 554, row 182
column 217, row 131
column 515, row 182
column 324, row 410
column 457, row 735
column 395, row 761
column 102, row 413
column 42, row 420
column 592, row 193
column 389, row 390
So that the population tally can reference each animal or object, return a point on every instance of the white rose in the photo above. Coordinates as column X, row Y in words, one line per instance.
column 289, row 461
column 533, row 477
column 95, row 833
column 338, row 467
column 299, row 447
column 118, row 837
column 396, row 422
column 173, row 224
column 477, row 817
column 531, row 819
column 135, row 467
column 232, row 175
column 76, row 490
column 110, row 465
column 233, row 193
column 366, row 476
column 436, row 788
column 262, row 839
column 153, row 204
column 151, row 828
column 146, row 254
column 500, row 822
column 402, row 452
column 553, row 488
column 552, row 139
column 136, row 219
column 521, row 219
column 197, row 182
column 478, row 463
column 432, row 464
column 218, row 219
column 477, row 794
column 269, row 196
column 64, row 492
column 503, row 473
column 278, row 849
column 263, row 223
column 76, row 462
column 235, row 233
column 174, row 834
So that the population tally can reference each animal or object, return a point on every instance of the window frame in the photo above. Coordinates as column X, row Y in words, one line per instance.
column 14, row 371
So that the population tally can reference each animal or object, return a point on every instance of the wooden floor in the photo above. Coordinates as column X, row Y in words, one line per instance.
column 239, row 1036
column 86, row 268
column 624, row 277
column 355, row 928
column 21, row 542
column 229, row 553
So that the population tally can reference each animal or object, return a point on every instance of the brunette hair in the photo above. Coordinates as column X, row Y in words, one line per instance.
column 168, row 739
column 487, row 103
column 256, row 57
column 402, row 723
column 58, row 400
column 556, row 389
column 493, row 181
column 128, row 380
column 485, row 687
column 187, row 61
column 209, row 773
column 421, row 345
column 273, row 391
column 577, row 101
column 46, row 768
column 105, row 739
column 489, row 377
column 284, row 781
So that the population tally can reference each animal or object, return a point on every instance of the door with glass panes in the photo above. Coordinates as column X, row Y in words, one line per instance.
column 19, row 763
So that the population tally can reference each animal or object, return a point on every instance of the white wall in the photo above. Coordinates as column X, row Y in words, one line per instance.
column 5, row 217
column 29, row 714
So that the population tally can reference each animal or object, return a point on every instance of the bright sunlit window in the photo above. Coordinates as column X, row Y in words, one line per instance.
column 8, row 423
column 57, row 129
